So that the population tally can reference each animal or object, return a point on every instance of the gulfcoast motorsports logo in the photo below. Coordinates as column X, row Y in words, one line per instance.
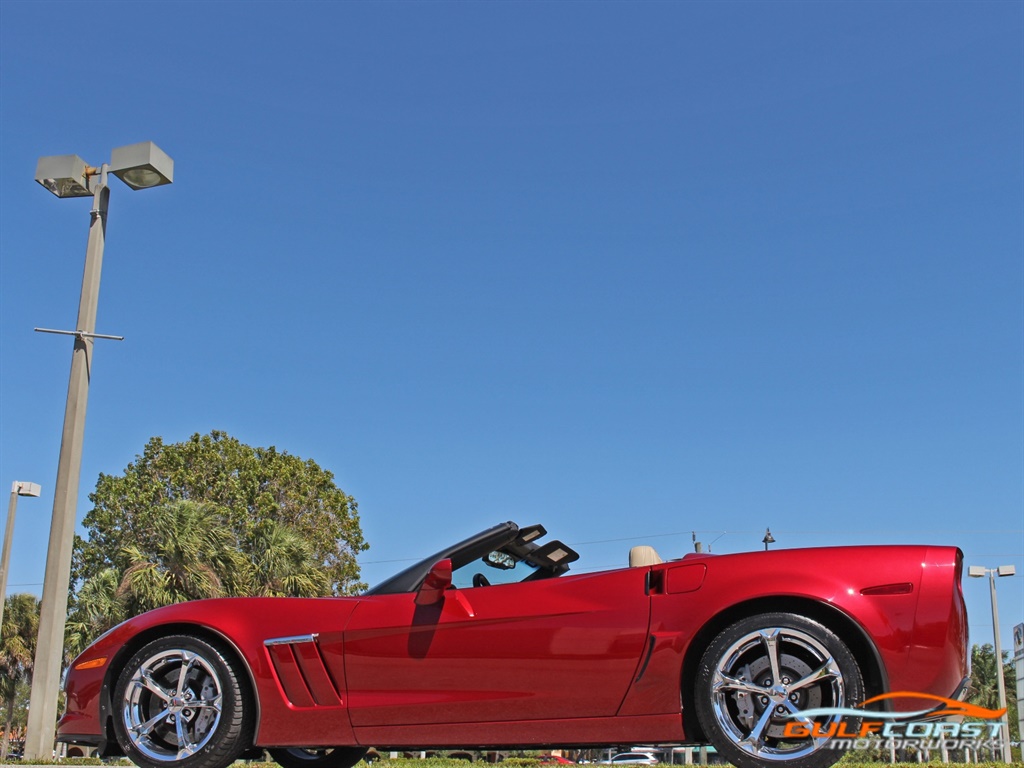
column 921, row 729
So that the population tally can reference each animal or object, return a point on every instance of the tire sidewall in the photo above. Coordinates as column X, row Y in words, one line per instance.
column 339, row 757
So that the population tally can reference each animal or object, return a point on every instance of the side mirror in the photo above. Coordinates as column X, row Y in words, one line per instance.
column 439, row 579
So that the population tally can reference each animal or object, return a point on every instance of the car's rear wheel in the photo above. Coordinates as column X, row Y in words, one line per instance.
column 318, row 757
column 759, row 674
column 180, row 702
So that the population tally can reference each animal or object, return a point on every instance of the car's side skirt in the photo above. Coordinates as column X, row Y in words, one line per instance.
column 646, row 729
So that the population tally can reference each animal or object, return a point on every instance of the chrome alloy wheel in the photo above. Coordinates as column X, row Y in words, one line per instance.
column 172, row 705
column 765, row 676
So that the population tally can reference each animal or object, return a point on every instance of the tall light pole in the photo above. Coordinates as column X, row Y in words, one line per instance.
column 140, row 166
column 18, row 488
column 978, row 571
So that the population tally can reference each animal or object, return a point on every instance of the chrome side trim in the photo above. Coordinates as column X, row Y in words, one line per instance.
column 294, row 640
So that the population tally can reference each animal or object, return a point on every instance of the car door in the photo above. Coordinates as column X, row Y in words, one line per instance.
column 549, row 649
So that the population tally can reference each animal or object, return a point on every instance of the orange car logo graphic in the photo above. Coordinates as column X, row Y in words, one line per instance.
column 945, row 708
column 918, row 724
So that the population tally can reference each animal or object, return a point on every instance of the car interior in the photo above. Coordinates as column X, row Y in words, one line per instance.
column 504, row 553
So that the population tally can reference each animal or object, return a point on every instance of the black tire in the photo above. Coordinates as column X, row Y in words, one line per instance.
column 318, row 757
column 743, row 709
column 181, row 702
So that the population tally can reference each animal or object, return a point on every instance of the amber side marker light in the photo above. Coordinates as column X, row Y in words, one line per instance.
column 904, row 588
column 92, row 663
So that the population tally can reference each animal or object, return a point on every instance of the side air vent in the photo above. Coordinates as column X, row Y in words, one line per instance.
column 301, row 671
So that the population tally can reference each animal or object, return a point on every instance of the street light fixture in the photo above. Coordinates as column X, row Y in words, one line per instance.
column 768, row 538
column 140, row 166
column 977, row 572
column 17, row 489
column 64, row 175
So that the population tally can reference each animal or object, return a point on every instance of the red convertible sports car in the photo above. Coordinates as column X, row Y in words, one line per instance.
column 494, row 643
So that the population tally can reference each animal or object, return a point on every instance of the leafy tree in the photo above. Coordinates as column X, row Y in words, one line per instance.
column 254, row 487
column 96, row 608
column 279, row 565
column 210, row 517
column 17, row 651
column 985, row 687
column 190, row 554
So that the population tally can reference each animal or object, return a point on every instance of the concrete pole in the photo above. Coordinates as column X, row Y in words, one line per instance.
column 42, row 715
column 5, row 558
column 1018, row 663
column 18, row 488
column 1001, row 686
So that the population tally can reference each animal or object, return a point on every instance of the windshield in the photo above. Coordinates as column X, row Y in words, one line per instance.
column 494, row 568
column 502, row 554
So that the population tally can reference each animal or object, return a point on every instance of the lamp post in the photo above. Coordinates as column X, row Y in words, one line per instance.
column 140, row 166
column 978, row 571
column 17, row 489
column 768, row 538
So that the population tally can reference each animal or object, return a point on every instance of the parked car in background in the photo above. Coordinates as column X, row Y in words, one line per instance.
column 493, row 642
column 632, row 758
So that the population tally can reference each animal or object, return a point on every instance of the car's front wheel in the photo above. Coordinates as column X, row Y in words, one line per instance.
column 318, row 757
column 180, row 702
column 759, row 675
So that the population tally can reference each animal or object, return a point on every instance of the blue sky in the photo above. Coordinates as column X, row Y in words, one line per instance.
column 631, row 270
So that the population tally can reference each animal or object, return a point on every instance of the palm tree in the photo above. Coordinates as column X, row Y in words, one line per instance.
column 17, row 651
column 194, row 555
column 984, row 691
column 283, row 564
column 985, row 686
column 94, row 609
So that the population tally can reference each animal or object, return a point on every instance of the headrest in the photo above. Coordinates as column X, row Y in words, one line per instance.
column 643, row 555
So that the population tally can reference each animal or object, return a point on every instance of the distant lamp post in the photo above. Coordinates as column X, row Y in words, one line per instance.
column 977, row 572
column 140, row 166
column 18, row 488
column 768, row 538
